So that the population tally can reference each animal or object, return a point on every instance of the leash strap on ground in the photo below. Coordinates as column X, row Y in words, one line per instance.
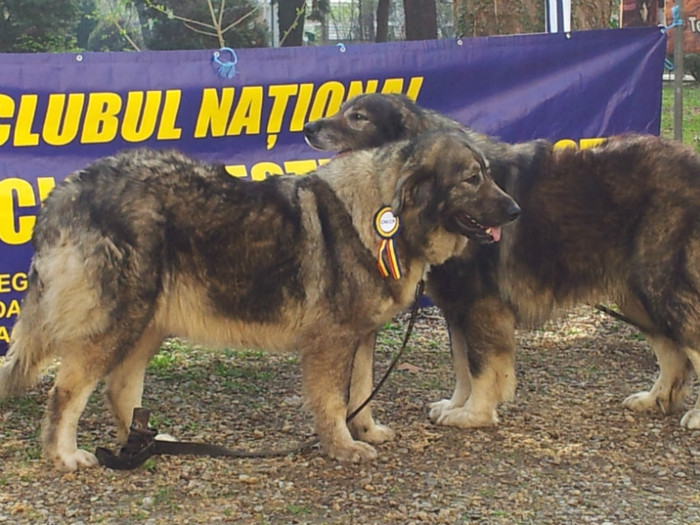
column 142, row 443
column 616, row 315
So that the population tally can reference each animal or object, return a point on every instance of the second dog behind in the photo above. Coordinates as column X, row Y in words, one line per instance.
column 619, row 222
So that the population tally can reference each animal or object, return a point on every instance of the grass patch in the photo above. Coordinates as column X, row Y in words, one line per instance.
column 165, row 497
column 298, row 510
column 27, row 406
column 32, row 452
column 175, row 360
column 691, row 113
column 243, row 379
column 197, row 368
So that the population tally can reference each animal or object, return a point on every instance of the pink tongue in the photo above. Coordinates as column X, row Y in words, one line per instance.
column 496, row 233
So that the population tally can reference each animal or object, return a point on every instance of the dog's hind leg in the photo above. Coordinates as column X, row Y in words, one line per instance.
column 28, row 353
column 76, row 379
column 124, row 384
column 669, row 391
column 363, row 426
column 463, row 376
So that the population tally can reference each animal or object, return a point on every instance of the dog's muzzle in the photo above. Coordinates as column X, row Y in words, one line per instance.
column 472, row 229
column 311, row 130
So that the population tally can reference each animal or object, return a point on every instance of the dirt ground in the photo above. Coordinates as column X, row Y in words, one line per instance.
column 565, row 450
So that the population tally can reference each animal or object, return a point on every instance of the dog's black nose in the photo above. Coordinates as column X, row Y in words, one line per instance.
column 513, row 212
column 310, row 128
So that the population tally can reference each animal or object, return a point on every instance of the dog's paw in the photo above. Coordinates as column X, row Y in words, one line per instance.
column 462, row 417
column 375, row 434
column 68, row 462
column 354, row 452
column 441, row 407
column 641, row 402
column 691, row 419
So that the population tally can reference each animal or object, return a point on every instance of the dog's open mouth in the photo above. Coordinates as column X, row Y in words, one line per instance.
column 311, row 142
column 473, row 229
column 319, row 146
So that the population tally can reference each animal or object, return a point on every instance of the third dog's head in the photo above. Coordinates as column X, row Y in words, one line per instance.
column 371, row 120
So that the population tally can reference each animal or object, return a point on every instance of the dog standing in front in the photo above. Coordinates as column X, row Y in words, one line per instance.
column 147, row 244
column 619, row 222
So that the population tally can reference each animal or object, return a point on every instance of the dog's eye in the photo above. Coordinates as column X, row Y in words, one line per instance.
column 357, row 116
column 474, row 179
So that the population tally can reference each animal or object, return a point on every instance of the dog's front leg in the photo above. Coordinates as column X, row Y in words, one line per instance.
column 463, row 376
column 487, row 335
column 326, row 365
column 363, row 426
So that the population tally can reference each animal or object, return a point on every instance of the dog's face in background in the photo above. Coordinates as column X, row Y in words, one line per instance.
column 372, row 120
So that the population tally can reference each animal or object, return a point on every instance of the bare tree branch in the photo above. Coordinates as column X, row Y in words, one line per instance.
column 241, row 19
column 216, row 20
column 199, row 31
column 299, row 14
column 125, row 34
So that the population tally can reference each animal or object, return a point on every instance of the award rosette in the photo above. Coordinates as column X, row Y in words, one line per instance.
column 387, row 226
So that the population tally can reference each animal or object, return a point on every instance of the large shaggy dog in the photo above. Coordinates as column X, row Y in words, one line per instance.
column 147, row 244
column 619, row 222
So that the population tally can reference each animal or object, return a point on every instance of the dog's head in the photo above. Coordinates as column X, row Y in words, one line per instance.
column 372, row 120
column 445, row 180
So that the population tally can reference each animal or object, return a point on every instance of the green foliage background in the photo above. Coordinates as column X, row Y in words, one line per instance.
column 33, row 26
column 691, row 113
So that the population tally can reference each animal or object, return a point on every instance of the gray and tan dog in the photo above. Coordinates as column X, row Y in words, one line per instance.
column 619, row 222
column 147, row 244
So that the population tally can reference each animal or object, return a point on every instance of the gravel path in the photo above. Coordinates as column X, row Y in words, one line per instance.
column 565, row 450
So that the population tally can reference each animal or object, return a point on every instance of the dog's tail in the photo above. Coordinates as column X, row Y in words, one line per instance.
column 26, row 356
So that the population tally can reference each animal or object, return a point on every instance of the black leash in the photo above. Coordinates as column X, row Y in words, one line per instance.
column 616, row 315
column 142, row 443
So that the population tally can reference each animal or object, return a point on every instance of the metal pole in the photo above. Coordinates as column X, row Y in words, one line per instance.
column 678, row 73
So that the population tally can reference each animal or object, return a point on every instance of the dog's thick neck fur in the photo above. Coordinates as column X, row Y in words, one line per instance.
column 379, row 186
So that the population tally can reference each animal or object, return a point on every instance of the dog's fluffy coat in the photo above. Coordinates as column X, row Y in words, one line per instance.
column 619, row 222
column 147, row 244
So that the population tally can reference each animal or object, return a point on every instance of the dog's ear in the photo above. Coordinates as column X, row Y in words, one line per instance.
column 413, row 184
column 400, row 193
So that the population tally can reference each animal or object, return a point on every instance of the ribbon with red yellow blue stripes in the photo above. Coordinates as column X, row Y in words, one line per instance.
column 387, row 225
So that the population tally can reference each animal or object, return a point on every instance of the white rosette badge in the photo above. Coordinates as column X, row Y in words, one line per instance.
column 387, row 226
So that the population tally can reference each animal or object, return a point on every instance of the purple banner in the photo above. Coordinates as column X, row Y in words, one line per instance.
column 58, row 112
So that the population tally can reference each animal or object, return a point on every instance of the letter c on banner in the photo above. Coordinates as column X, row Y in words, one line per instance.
column 7, row 110
column 22, row 232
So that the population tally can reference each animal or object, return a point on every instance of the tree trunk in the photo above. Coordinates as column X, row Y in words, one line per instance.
column 591, row 14
column 421, row 19
column 382, row 21
column 142, row 10
column 508, row 17
column 366, row 20
column 291, row 22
